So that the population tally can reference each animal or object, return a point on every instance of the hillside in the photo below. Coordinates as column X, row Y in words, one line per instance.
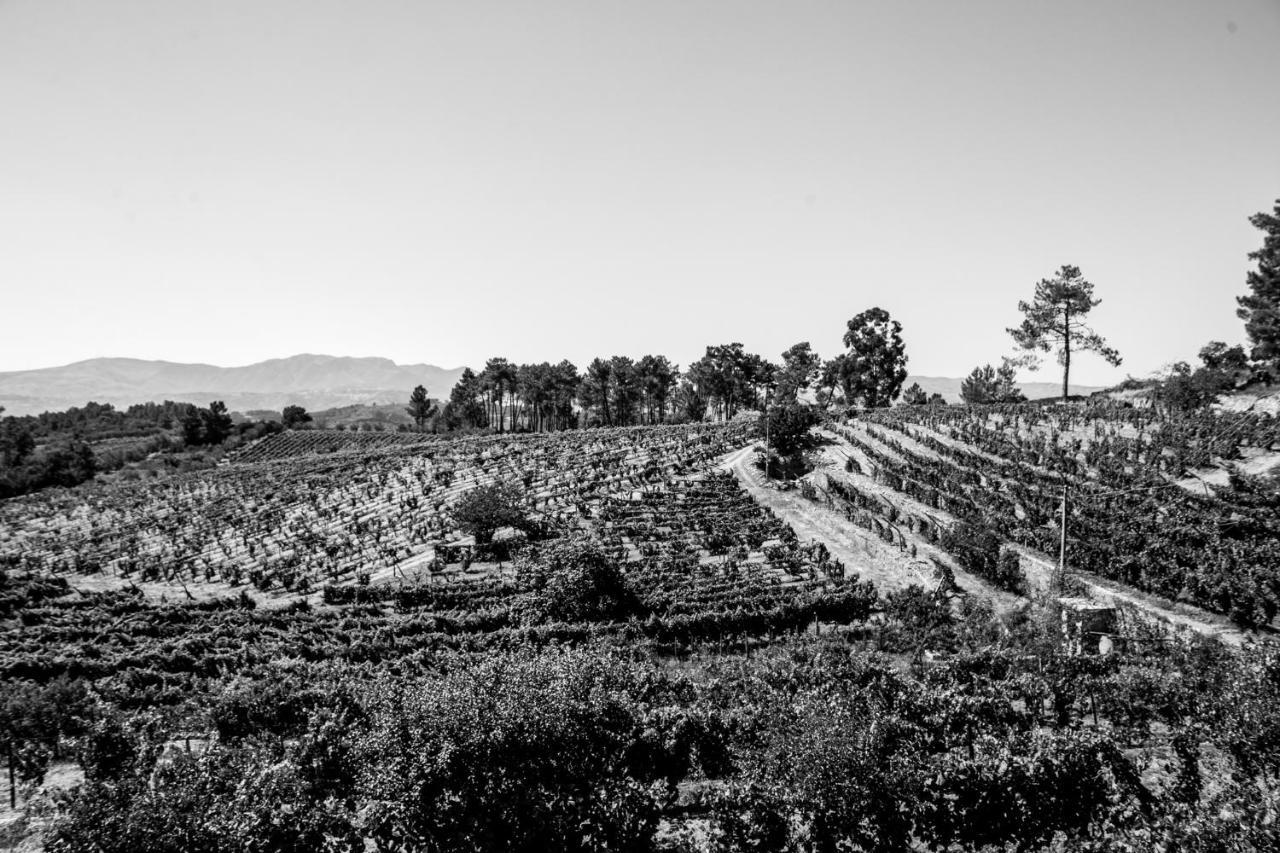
column 667, row 607
column 313, row 381
column 949, row 387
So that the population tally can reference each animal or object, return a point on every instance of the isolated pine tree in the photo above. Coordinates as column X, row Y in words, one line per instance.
column 1260, row 310
column 1054, row 320
column 421, row 409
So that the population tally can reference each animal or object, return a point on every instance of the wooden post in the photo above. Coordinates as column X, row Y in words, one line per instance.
column 766, row 436
column 1062, row 546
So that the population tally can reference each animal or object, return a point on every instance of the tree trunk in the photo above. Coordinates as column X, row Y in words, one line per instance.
column 1066, row 353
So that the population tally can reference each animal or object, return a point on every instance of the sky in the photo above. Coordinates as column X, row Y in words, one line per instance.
column 442, row 182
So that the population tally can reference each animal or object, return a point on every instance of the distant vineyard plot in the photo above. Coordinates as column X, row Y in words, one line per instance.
column 300, row 510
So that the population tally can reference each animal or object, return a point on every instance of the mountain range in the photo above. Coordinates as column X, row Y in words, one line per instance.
column 312, row 381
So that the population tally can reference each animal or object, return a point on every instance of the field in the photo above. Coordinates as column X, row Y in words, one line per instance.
column 1132, row 516
column 303, row 649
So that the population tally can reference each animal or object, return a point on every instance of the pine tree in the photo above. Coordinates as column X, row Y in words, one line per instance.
column 980, row 386
column 465, row 408
column 915, row 395
column 1055, row 320
column 801, row 366
column 1260, row 310
column 421, row 409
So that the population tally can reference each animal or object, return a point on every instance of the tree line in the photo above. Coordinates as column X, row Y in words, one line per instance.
column 622, row 391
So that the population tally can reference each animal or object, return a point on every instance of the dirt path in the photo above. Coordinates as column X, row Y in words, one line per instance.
column 885, row 565
column 1039, row 570
column 890, row 568
column 832, row 467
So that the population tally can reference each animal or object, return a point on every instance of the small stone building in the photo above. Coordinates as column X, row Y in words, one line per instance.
column 1088, row 627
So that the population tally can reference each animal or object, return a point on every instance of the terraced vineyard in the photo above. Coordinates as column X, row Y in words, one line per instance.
column 698, row 562
column 1131, row 517
column 296, row 511
column 664, row 662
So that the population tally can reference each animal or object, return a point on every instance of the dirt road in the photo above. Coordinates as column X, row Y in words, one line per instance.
column 890, row 568
column 887, row 566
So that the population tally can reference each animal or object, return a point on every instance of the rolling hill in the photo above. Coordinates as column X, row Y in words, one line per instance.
column 313, row 381
column 949, row 387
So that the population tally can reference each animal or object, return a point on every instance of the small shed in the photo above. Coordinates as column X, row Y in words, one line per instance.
column 1088, row 627
column 459, row 551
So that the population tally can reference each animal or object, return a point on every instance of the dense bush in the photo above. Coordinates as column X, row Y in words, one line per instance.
column 978, row 550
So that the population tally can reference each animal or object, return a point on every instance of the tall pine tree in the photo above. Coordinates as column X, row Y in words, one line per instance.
column 420, row 408
column 1260, row 310
column 1055, row 319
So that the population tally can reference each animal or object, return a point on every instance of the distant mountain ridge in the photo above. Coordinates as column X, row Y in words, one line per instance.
column 313, row 381
column 950, row 388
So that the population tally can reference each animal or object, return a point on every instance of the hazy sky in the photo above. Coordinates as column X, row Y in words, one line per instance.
column 444, row 181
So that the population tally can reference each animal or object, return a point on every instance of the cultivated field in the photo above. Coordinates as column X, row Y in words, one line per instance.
column 301, row 649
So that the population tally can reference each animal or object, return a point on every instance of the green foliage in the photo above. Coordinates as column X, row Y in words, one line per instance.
column 209, row 426
column 1054, row 320
column 1222, row 368
column 464, row 409
column 1260, row 309
column 613, row 389
column 481, row 511
column 836, row 778
column 540, row 397
column 991, row 385
column 295, row 416
column 545, row 394
column 1026, row 789
column 801, row 367
column 918, row 621
column 689, row 406
column 729, row 378
column 224, row 799
column 558, row 751
column 251, row 710
column 830, row 379
column 115, row 746
column 788, row 428
column 875, row 361
column 978, row 550
column 915, row 395
column 420, row 407
column 574, row 580
column 16, row 441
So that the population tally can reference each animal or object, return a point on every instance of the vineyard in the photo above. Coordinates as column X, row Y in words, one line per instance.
column 300, row 510
column 1132, row 516
column 662, row 664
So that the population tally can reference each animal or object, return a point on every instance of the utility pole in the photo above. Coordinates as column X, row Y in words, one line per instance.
column 766, row 435
column 1060, row 581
